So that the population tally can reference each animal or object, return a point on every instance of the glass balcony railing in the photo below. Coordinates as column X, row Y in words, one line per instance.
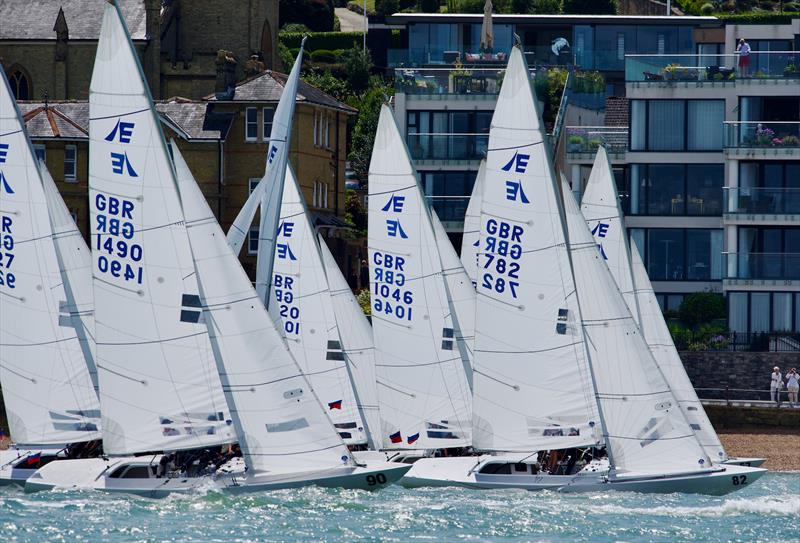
column 720, row 68
column 586, row 139
column 447, row 146
column 427, row 56
column 762, row 134
column 449, row 81
column 762, row 201
column 763, row 266
column 450, row 209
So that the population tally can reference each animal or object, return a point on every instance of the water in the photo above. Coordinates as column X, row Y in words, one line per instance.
column 769, row 510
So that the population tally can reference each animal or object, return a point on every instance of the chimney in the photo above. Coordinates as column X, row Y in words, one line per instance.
column 225, row 87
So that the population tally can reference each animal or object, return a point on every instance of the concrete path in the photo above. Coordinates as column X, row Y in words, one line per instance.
column 349, row 20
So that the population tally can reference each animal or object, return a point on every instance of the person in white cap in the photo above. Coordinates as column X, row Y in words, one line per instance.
column 775, row 386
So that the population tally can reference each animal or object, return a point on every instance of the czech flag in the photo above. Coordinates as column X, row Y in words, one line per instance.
column 34, row 459
column 413, row 439
column 335, row 405
column 396, row 438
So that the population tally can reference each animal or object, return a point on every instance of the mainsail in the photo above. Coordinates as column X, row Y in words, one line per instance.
column 48, row 393
column 472, row 226
column 159, row 385
column 600, row 207
column 302, row 299
column 279, row 420
column 357, row 345
column 661, row 345
column 644, row 429
column 532, row 387
column 425, row 398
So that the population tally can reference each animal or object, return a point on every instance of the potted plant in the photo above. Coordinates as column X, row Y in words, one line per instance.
column 764, row 137
column 459, row 78
column 575, row 143
column 790, row 141
column 792, row 70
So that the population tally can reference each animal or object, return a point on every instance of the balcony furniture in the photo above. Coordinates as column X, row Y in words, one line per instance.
column 649, row 76
column 450, row 57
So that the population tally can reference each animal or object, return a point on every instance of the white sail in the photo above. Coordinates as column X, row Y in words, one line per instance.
column 159, row 385
column 302, row 299
column 270, row 188
column 472, row 226
column 532, row 387
column 644, row 429
column 424, row 395
column 460, row 294
column 75, row 263
column 600, row 207
column 48, row 394
column 661, row 345
column 357, row 345
column 280, row 422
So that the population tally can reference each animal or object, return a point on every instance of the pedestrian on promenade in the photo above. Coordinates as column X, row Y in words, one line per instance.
column 775, row 386
column 792, row 385
column 743, row 50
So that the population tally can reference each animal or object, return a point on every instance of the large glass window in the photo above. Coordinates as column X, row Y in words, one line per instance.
column 737, row 311
column 448, row 135
column 769, row 187
column 705, row 125
column 782, row 311
column 677, row 125
column 704, row 189
column 676, row 189
column 677, row 254
column 756, row 312
column 771, row 252
column 251, row 124
column 448, row 192
column 665, row 125
column 665, row 254
column 759, row 311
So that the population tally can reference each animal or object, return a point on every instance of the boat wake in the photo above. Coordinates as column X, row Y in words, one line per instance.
column 764, row 505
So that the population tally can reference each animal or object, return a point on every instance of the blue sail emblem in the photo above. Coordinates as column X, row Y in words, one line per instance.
column 4, row 186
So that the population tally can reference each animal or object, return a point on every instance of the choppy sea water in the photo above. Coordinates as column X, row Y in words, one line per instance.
column 769, row 510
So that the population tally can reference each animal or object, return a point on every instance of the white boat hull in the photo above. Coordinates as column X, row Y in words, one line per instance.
column 11, row 472
column 749, row 462
column 466, row 471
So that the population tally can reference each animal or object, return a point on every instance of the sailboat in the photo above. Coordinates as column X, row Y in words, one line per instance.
column 50, row 399
column 600, row 207
column 287, row 440
column 421, row 370
column 547, row 303
column 472, row 226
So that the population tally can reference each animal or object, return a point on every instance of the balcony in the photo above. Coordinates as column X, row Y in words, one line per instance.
column 762, row 139
column 783, row 66
column 450, row 210
column 451, row 147
column 415, row 57
column 763, row 266
column 762, row 201
column 447, row 82
column 584, row 140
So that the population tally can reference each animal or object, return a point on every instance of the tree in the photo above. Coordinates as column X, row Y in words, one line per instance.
column 369, row 108
column 355, row 213
column 358, row 63
column 590, row 7
column 429, row 6
column 315, row 14
column 386, row 7
column 701, row 308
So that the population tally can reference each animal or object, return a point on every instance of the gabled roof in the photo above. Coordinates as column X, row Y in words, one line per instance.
column 34, row 19
column 195, row 120
column 268, row 87
column 61, row 120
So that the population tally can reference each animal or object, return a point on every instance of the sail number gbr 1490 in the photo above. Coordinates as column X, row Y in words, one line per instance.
column 117, row 255
column 502, row 250
column 388, row 295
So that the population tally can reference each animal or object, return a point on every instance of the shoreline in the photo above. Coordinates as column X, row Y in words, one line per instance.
column 780, row 446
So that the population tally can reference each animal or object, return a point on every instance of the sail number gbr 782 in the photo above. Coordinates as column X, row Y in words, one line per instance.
column 502, row 250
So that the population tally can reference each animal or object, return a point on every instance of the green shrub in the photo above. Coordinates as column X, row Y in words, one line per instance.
column 707, row 9
column 386, row 7
column 329, row 41
column 364, row 301
column 323, row 55
column 681, row 336
column 701, row 308
column 590, row 7
column 295, row 27
column 758, row 18
column 357, row 63
column 429, row 6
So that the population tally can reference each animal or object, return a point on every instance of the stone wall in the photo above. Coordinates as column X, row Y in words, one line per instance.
column 735, row 370
column 766, row 418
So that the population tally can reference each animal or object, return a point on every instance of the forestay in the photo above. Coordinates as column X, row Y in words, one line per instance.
column 531, row 382
column 302, row 299
column 666, row 355
column 644, row 430
column 48, row 394
column 357, row 345
column 423, row 390
column 600, row 207
column 280, row 422
column 158, row 380
column 472, row 226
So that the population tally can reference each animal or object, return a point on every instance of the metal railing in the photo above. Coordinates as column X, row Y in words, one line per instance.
column 586, row 139
column 447, row 146
column 762, row 134
column 762, row 200
column 449, row 208
column 449, row 81
column 426, row 55
column 782, row 266
column 713, row 68
column 755, row 397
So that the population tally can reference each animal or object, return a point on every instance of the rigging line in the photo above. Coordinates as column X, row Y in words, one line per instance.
column 118, row 114
column 549, row 349
column 509, row 304
column 118, row 374
column 515, row 387
column 414, row 186
column 516, row 146
column 223, row 305
column 335, row 446
column 39, row 343
column 418, row 365
column 10, row 133
column 595, row 322
column 650, row 439
column 409, row 394
column 380, row 318
column 235, row 387
column 18, row 374
column 17, row 298
column 537, row 250
column 160, row 340
column 615, row 396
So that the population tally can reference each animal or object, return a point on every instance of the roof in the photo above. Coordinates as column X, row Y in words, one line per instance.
column 268, row 87
column 34, row 19
column 70, row 120
column 616, row 111
column 406, row 18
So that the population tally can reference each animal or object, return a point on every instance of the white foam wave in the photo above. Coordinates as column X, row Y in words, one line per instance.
column 789, row 506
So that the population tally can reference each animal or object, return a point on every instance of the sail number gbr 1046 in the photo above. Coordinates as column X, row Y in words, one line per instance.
column 389, row 297
column 117, row 255
column 502, row 249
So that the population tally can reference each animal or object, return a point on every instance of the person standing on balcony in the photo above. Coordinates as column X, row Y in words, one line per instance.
column 743, row 50
column 793, row 386
column 775, row 386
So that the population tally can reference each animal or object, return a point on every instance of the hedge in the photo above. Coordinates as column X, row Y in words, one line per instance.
column 759, row 18
column 329, row 41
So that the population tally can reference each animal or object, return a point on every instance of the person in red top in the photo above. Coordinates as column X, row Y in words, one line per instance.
column 743, row 50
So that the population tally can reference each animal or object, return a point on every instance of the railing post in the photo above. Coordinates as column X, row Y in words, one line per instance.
column 727, row 396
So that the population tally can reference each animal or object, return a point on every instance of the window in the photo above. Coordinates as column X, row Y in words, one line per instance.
column 20, row 83
column 677, row 125
column 252, row 242
column 676, row 189
column 754, row 312
column 444, row 135
column 677, row 254
column 448, row 192
column 320, row 196
column 620, row 46
column 665, row 125
column 74, row 214
column 771, row 252
column 662, row 44
column 70, row 169
column 267, row 113
column 41, row 152
column 251, row 124
column 769, row 187
column 705, row 124
column 252, row 183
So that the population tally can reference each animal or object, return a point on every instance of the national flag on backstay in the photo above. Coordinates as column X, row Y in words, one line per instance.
column 396, row 438
column 34, row 459
column 413, row 439
column 335, row 405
